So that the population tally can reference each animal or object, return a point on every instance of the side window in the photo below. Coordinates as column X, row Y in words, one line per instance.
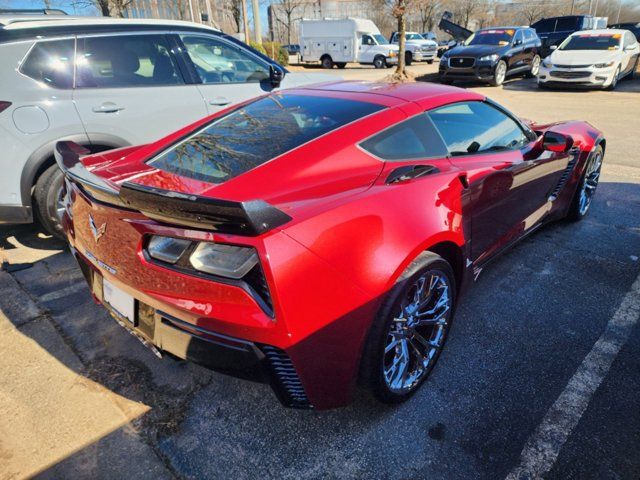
column 529, row 36
column 567, row 24
column 629, row 39
column 476, row 127
column 217, row 61
column 545, row 26
column 51, row 63
column 412, row 139
column 518, row 38
column 367, row 40
column 126, row 61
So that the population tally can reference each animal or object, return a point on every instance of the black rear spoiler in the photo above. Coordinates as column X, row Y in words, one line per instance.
column 244, row 218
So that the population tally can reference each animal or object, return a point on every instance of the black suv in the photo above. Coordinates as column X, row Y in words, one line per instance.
column 492, row 54
column 553, row 30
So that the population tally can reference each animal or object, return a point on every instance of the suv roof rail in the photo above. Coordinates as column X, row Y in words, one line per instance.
column 32, row 11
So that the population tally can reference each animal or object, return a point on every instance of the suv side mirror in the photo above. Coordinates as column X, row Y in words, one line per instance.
column 276, row 75
column 517, row 42
column 556, row 142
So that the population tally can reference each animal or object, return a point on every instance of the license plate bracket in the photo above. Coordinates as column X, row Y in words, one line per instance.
column 119, row 301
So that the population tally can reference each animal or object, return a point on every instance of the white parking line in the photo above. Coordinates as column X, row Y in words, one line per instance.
column 543, row 446
column 63, row 292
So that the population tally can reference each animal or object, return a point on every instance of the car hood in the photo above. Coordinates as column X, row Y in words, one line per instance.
column 475, row 50
column 422, row 43
column 583, row 57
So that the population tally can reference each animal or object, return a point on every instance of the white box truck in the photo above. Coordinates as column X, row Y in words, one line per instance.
column 338, row 42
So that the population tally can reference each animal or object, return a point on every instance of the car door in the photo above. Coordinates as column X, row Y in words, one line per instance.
column 509, row 181
column 228, row 73
column 130, row 90
column 367, row 45
column 517, row 54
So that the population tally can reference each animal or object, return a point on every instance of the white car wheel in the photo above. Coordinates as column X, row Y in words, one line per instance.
column 614, row 80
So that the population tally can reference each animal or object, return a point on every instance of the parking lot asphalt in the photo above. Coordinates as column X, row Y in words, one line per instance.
column 539, row 376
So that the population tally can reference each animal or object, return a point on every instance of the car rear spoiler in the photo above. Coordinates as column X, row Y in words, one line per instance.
column 243, row 218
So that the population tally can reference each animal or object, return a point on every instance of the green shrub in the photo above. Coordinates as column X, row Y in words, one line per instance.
column 258, row 47
column 274, row 50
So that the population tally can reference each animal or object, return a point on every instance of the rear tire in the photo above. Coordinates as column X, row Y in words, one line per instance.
column 326, row 62
column 341, row 65
column 408, row 58
column 47, row 196
column 394, row 330
column 430, row 62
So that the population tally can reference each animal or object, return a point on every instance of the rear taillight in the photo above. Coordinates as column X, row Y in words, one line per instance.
column 4, row 106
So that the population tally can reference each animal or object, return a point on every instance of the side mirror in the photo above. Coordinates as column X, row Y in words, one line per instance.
column 553, row 47
column 276, row 75
column 517, row 42
column 556, row 142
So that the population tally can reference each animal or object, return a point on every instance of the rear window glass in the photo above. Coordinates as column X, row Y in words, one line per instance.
column 414, row 138
column 257, row 133
column 51, row 63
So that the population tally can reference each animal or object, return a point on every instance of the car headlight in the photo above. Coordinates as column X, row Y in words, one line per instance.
column 547, row 64
column 167, row 249
column 489, row 58
column 604, row 65
column 229, row 261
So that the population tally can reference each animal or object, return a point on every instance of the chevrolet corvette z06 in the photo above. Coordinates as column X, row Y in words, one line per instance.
column 318, row 238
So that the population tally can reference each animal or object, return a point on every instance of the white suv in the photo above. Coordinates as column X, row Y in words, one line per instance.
column 107, row 83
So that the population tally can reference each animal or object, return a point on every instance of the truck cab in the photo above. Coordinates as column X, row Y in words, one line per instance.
column 417, row 48
column 554, row 30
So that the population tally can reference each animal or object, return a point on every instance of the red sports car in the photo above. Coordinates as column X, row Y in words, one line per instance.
column 318, row 238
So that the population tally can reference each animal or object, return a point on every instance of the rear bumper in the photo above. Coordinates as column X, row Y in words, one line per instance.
column 15, row 214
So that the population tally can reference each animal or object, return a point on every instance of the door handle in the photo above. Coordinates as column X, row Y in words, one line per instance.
column 220, row 101
column 107, row 107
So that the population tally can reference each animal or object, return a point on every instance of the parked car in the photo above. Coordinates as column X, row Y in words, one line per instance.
column 129, row 82
column 416, row 48
column 554, row 30
column 594, row 58
column 292, row 49
column 632, row 27
column 491, row 55
column 330, row 244
column 338, row 42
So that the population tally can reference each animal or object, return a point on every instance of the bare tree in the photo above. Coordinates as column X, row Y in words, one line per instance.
column 398, row 11
column 427, row 10
column 535, row 10
column 290, row 10
column 232, row 10
column 108, row 8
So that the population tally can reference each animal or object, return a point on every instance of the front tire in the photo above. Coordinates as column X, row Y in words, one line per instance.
column 583, row 197
column 499, row 74
column 430, row 62
column 47, row 196
column 408, row 58
column 380, row 62
column 614, row 81
column 410, row 329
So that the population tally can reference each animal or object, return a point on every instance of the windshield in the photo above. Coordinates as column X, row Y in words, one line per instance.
column 413, row 36
column 594, row 41
column 380, row 39
column 256, row 133
column 491, row 37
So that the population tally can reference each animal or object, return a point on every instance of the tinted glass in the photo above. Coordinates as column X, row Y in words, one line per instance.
column 257, row 133
column 499, row 37
column 545, row 26
column 367, row 40
column 591, row 42
column 475, row 127
column 217, row 61
column 567, row 24
column 127, row 61
column 51, row 63
column 414, row 138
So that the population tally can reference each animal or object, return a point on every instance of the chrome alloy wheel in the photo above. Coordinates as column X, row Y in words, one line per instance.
column 417, row 332
column 60, row 204
column 535, row 66
column 501, row 73
column 590, row 183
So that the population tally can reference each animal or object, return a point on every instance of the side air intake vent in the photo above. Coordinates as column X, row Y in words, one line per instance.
column 575, row 153
column 284, row 378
